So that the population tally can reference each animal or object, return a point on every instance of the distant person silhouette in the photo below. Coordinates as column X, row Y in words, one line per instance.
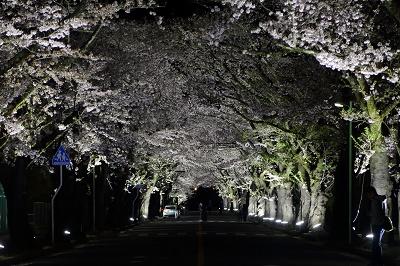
column 203, row 211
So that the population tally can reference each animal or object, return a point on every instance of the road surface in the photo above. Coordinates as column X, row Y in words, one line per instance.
column 220, row 241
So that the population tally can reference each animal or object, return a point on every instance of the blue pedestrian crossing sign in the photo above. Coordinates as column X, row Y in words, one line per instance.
column 61, row 157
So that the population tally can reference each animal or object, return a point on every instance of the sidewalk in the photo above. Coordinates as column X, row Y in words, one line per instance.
column 361, row 247
column 20, row 257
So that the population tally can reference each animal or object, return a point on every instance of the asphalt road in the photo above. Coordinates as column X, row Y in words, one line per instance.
column 187, row 241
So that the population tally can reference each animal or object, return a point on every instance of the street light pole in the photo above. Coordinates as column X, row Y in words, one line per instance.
column 350, row 173
column 350, row 170
column 94, row 197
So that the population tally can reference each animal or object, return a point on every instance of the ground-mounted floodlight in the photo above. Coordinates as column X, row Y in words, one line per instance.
column 284, row 222
column 278, row 221
column 131, row 219
column 300, row 223
column 67, row 232
column 370, row 236
column 316, row 226
column 2, row 246
column 268, row 218
column 339, row 105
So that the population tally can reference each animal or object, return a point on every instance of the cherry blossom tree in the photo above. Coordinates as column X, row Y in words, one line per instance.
column 48, row 72
column 357, row 38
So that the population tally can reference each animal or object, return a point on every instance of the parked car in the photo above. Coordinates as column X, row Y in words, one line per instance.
column 171, row 211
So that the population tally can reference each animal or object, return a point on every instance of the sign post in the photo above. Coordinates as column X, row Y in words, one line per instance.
column 59, row 159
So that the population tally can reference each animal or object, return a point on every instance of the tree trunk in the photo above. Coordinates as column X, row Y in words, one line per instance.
column 317, row 207
column 398, row 217
column 380, row 180
column 305, row 204
column 379, row 165
column 253, row 205
column 285, row 204
column 20, row 231
column 271, row 208
column 146, row 203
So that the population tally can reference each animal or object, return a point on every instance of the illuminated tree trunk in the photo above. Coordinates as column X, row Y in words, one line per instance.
column 271, row 209
column 318, row 205
column 253, row 205
column 271, row 206
column 379, row 161
column 146, row 203
column 263, row 207
column 313, row 206
column 305, row 205
column 285, row 204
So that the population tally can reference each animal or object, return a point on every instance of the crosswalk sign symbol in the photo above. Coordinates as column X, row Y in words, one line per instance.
column 61, row 157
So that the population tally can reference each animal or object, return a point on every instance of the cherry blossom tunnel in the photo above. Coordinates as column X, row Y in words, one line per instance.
column 286, row 111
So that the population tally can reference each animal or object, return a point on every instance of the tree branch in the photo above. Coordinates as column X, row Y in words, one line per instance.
column 385, row 113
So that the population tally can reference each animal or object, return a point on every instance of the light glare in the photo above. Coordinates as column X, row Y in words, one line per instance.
column 316, row 226
column 370, row 236
column 300, row 223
